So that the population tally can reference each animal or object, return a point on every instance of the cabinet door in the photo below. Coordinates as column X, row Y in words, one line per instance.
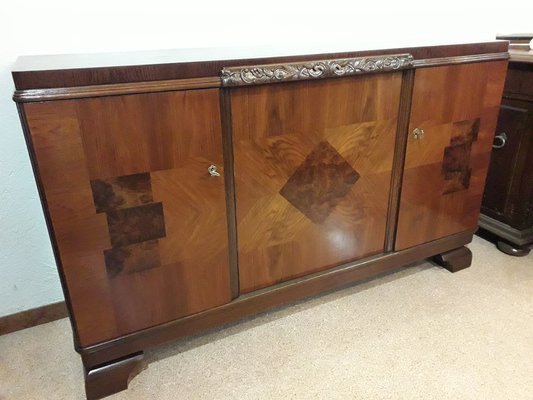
column 313, row 169
column 456, row 107
column 139, row 223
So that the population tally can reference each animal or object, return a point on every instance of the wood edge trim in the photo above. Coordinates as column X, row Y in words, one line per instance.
column 402, row 128
column 506, row 231
column 229, row 182
column 33, row 317
column 262, row 300
column 431, row 62
column 80, row 92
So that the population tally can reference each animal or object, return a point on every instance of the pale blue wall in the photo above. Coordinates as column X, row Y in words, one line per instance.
column 28, row 276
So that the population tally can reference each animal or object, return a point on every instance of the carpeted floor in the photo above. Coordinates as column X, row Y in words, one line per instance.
column 420, row 333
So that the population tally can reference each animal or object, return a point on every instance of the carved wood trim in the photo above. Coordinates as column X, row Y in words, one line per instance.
column 78, row 92
column 270, row 73
column 430, row 62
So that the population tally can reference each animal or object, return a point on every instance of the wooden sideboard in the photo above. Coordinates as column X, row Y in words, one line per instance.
column 180, row 196
column 507, row 207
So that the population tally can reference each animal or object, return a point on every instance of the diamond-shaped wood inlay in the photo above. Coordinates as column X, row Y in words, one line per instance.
column 319, row 183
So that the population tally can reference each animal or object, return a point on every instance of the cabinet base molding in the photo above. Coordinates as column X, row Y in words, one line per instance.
column 113, row 377
column 455, row 260
column 275, row 296
column 519, row 238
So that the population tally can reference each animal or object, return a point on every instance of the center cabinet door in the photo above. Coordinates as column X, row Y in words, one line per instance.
column 313, row 164
column 140, row 224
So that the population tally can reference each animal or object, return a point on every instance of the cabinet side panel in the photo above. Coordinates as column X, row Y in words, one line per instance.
column 445, row 169
column 513, row 123
column 313, row 167
column 140, row 224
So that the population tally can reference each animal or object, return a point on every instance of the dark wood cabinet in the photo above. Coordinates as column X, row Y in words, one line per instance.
column 507, row 209
column 183, row 196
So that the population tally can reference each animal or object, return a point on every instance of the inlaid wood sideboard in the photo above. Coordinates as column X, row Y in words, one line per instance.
column 183, row 195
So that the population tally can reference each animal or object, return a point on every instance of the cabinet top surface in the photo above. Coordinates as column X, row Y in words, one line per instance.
column 50, row 71
column 152, row 57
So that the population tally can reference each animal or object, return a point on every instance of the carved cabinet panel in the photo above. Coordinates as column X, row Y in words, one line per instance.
column 139, row 222
column 313, row 167
column 454, row 111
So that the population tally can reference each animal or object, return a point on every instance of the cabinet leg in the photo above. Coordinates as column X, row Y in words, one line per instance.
column 455, row 260
column 112, row 377
column 511, row 249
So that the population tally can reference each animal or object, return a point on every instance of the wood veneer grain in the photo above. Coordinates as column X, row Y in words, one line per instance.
column 313, row 164
column 457, row 107
column 122, row 276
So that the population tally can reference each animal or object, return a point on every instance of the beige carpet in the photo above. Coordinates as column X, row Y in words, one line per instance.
column 420, row 333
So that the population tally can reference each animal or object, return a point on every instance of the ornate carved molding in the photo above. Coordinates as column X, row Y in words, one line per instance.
column 269, row 73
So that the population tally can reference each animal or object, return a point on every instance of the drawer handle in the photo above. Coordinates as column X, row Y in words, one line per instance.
column 212, row 169
column 499, row 141
column 418, row 133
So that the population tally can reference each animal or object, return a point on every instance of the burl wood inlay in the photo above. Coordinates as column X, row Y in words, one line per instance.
column 136, row 224
column 133, row 258
column 456, row 163
column 133, row 225
column 140, row 163
column 320, row 182
column 121, row 192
